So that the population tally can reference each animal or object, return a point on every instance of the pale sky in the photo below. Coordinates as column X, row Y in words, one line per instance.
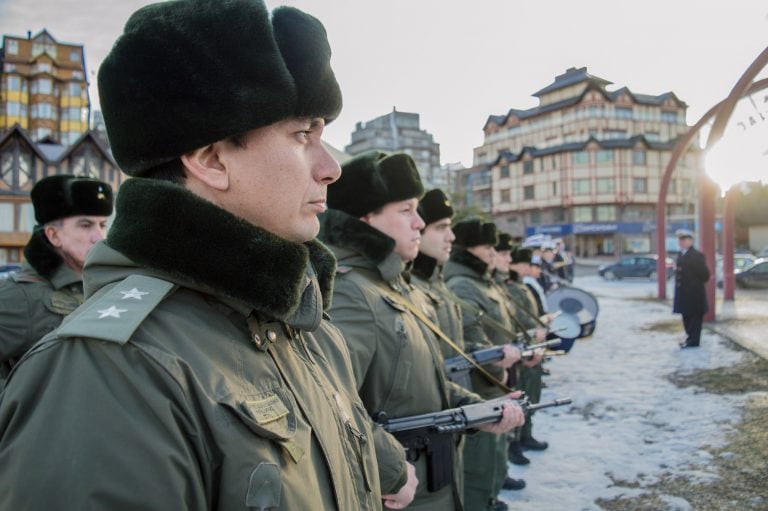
column 456, row 62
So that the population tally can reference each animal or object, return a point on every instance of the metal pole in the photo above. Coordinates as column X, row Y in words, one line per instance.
column 729, row 224
column 707, row 238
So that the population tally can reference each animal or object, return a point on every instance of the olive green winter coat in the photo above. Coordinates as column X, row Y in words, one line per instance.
column 428, row 276
column 198, row 375
column 34, row 301
column 397, row 360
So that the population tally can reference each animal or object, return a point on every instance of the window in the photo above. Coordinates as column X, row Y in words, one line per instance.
column 14, row 109
column 74, row 89
column 604, row 156
column 14, row 83
column 623, row 112
column 580, row 158
column 686, row 187
column 554, row 188
column 638, row 157
column 535, row 217
column 528, row 167
column 43, row 67
column 554, row 162
column 77, row 75
column 505, row 196
column 528, row 193
column 640, row 185
column 582, row 214
column 652, row 136
column 11, row 47
column 606, row 185
column 74, row 55
column 581, row 187
column 504, row 171
column 669, row 116
column 6, row 217
column 606, row 213
column 26, row 217
column 42, row 86
column 672, row 186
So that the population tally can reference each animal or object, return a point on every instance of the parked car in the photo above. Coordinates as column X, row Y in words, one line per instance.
column 755, row 275
column 7, row 269
column 635, row 266
column 740, row 262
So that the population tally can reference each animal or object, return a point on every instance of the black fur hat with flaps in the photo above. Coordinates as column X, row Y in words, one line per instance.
column 472, row 232
column 434, row 206
column 505, row 242
column 373, row 179
column 186, row 73
column 522, row 255
column 65, row 195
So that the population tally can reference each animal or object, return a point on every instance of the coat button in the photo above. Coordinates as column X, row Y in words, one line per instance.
column 256, row 338
column 271, row 335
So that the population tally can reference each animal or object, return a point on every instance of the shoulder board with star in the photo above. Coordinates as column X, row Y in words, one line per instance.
column 117, row 313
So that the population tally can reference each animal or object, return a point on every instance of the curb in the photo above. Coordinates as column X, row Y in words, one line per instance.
column 757, row 348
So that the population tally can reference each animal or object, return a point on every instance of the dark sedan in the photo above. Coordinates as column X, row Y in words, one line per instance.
column 635, row 266
column 755, row 275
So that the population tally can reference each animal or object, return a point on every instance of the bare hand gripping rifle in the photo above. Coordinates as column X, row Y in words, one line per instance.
column 458, row 368
column 433, row 433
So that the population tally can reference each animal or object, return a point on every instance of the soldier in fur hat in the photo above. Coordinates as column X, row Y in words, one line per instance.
column 71, row 214
column 373, row 226
column 200, row 373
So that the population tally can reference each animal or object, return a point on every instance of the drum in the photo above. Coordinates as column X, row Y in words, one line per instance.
column 580, row 303
column 567, row 328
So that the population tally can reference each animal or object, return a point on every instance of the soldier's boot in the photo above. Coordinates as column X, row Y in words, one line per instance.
column 516, row 455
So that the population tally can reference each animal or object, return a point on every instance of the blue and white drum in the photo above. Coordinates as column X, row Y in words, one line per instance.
column 576, row 302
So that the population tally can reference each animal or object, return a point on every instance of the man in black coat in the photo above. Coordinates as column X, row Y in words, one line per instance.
column 690, row 294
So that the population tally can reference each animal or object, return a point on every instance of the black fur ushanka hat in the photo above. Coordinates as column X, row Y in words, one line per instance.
column 373, row 179
column 186, row 73
column 65, row 195
column 434, row 206
column 472, row 232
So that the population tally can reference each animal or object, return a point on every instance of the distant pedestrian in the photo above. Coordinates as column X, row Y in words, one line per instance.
column 690, row 294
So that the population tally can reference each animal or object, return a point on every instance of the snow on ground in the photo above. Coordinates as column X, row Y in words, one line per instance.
column 628, row 423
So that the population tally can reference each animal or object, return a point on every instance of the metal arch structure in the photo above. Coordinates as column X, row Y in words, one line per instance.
column 722, row 113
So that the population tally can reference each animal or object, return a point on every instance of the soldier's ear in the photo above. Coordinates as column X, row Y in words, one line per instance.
column 205, row 165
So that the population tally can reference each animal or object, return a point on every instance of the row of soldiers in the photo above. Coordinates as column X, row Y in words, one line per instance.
column 253, row 314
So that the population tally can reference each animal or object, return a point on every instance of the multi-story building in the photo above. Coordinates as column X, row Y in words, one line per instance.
column 23, row 162
column 43, row 88
column 401, row 132
column 586, row 165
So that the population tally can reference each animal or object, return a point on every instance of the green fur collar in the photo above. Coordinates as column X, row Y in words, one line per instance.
column 41, row 255
column 165, row 227
column 462, row 256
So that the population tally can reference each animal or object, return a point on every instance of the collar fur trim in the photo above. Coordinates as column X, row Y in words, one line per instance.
column 460, row 255
column 165, row 227
column 343, row 230
column 41, row 255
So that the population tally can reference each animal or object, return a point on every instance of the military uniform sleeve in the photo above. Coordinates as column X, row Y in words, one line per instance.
column 107, row 412
column 352, row 315
column 474, row 335
column 390, row 454
column 15, row 322
column 459, row 396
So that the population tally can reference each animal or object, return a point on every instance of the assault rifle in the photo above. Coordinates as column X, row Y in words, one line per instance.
column 457, row 368
column 433, row 432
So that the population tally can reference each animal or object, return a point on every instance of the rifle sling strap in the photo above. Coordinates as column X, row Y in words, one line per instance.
column 436, row 329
